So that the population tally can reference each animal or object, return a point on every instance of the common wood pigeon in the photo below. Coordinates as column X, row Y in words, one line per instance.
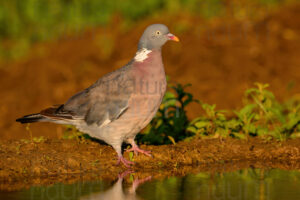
column 121, row 103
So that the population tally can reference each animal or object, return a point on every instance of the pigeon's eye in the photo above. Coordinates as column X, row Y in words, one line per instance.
column 157, row 32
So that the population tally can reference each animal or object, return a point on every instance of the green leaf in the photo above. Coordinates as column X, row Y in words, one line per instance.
column 171, row 139
column 202, row 124
column 239, row 135
column 131, row 156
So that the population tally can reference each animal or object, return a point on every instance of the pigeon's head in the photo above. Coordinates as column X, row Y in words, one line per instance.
column 155, row 36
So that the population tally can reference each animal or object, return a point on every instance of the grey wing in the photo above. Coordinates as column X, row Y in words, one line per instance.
column 104, row 101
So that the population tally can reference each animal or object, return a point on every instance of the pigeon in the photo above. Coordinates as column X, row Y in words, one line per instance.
column 121, row 103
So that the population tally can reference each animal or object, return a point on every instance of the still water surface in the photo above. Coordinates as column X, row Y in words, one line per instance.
column 245, row 184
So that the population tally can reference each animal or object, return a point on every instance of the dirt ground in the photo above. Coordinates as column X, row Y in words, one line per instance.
column 221, row 58
column 25, row 163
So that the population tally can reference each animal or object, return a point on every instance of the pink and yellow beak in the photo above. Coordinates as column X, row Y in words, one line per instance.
column 172, row 37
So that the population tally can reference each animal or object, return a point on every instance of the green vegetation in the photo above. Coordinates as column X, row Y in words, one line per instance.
column 171, row 122
column 23, row 22
column 262, row 116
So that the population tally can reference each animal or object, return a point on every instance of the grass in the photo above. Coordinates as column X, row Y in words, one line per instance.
column 23, row 22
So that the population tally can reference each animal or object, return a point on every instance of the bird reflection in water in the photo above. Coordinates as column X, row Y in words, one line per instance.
column 117, row 192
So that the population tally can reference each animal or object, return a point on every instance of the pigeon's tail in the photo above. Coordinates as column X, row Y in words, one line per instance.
column 54, row 114
column 32, row 118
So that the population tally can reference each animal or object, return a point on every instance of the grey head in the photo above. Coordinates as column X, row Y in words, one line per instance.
column 155, row 36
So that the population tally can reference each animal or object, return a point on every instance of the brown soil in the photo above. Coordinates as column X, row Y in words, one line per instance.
column 24, row 163
column 220, row 57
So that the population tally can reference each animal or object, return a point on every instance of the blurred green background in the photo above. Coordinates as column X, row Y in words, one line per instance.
column 23, row 22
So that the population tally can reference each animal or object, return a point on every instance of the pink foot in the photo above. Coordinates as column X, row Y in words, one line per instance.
column 137, row 150
column 127, row 163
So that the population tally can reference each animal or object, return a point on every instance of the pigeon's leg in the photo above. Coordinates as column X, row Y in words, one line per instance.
column 135, row 148
column 127, row 163
column 121, row 159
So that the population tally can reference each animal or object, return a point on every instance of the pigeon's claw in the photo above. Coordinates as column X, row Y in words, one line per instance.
column 127, row 163
column 137, row 150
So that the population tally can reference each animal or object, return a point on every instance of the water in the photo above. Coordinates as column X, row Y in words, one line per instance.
column 249, row 184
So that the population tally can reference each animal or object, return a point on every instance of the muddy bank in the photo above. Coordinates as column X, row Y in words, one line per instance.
column 24, row 163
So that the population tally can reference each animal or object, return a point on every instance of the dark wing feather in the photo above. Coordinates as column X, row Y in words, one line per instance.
column 56, row 112
column 105, row 100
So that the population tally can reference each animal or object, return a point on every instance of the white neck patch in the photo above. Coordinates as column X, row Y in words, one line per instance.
column 141, row 55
